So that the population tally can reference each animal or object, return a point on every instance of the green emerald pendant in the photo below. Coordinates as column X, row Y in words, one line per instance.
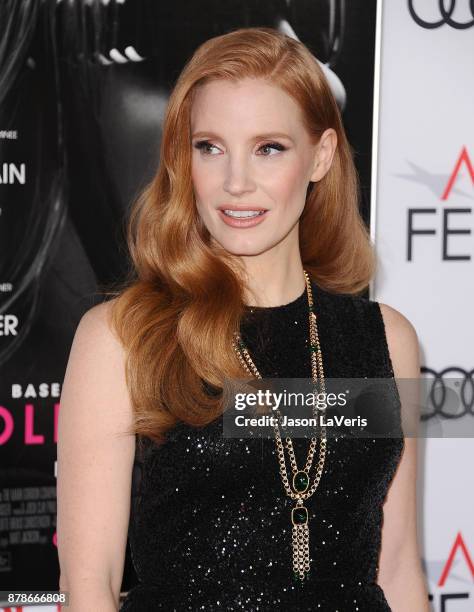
column 300, row 481
column 299, row 515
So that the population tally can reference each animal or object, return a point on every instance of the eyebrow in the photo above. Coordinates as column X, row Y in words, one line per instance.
column 266, row 136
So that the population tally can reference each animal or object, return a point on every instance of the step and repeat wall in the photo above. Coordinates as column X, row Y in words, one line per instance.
column 422, row 224
column 83, row 88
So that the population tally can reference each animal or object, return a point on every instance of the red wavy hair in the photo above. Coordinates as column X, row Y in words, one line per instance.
column 177, row 312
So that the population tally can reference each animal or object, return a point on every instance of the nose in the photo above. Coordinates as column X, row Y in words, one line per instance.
column 239, row 177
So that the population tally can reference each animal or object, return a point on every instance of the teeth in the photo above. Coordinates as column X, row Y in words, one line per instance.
column 243, row 213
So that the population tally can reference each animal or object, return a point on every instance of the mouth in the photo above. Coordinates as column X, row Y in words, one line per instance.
column 242, row 214
column 242, row 218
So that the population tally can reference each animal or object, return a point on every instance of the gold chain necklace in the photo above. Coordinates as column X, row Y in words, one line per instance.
column 300, row 489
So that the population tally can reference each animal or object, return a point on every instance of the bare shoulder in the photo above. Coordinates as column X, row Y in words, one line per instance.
column 96, row 324
column 95, row 373
column 402, row 341
column 397, row 323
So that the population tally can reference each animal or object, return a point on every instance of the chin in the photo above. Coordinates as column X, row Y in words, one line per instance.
column 246, row 247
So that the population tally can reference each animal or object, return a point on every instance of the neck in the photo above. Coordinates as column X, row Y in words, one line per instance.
column 272, row 280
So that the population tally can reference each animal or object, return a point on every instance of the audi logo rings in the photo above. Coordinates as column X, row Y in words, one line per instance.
column 446, row 16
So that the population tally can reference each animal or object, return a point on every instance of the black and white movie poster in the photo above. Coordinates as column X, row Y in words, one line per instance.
column 83, row 89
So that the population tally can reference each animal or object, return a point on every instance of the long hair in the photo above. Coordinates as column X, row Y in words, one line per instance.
column 178, row 311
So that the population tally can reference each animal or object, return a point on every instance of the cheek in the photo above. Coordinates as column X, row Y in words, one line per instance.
column 206, row 192
column 204, row 183
column 198, row 179
column 288, row 183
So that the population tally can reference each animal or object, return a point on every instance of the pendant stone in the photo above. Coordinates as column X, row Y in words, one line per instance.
column 300, row 481
column 299, row 515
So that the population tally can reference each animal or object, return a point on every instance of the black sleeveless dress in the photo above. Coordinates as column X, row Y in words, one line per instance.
column 210, row 525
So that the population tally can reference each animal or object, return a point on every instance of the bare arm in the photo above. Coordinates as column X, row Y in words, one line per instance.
column 400, row 572
column 95, row 461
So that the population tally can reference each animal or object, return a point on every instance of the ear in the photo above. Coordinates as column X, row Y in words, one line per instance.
column 325, row 150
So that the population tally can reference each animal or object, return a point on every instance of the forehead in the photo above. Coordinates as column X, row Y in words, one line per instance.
column 243, row 105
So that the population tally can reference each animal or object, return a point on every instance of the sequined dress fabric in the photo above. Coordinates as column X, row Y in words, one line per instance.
column 210, row 525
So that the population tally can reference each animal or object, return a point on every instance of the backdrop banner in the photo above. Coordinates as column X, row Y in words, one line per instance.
column 422, row 220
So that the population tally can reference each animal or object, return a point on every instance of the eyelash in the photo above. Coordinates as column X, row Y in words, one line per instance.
column 201, row 145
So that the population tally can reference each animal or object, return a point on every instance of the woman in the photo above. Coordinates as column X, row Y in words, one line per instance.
column 250, row 225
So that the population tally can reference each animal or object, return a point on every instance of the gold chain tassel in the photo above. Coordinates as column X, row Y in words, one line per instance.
column 300, row 538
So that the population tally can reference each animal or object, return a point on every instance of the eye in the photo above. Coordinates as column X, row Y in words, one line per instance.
column 204, row 146
column 272, row 145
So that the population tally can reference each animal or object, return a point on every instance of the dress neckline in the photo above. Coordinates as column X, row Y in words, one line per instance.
column 290, row 306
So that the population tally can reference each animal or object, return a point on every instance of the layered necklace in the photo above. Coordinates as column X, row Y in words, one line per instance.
column 301, row 487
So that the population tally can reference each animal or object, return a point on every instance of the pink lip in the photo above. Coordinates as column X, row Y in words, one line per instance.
column 250, row 222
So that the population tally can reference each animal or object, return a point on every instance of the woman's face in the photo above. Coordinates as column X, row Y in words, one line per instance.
column 250, row 152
